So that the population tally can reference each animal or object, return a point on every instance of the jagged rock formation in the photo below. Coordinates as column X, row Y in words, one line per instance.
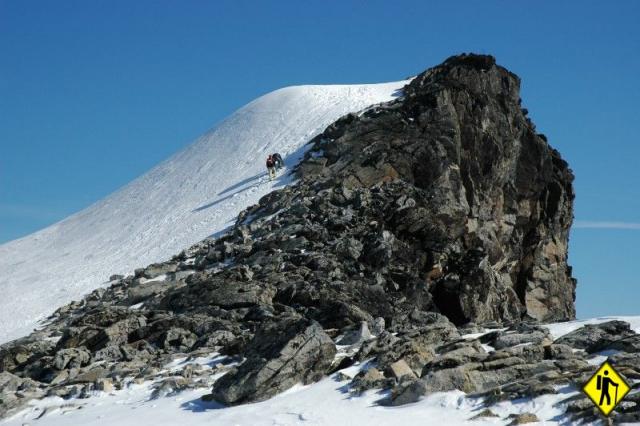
column 437, row 214
column 281, row 354
column 484, row 204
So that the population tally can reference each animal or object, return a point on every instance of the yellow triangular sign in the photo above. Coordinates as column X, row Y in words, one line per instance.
column 606, row 388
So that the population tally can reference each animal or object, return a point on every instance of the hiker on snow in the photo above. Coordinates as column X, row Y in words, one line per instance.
column 278, row 159
column 271, row 167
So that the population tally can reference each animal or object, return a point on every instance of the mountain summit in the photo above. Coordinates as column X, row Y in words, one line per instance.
column 196, row 193
column 424, row 244
column 478, row 204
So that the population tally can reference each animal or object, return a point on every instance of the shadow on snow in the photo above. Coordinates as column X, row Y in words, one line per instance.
column 256, row 180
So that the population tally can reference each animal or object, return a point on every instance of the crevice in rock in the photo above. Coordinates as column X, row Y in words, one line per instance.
column 446, row 298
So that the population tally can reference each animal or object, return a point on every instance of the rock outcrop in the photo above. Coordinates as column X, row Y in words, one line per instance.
column 412, row 223
column 477, row 200
column 293, row 350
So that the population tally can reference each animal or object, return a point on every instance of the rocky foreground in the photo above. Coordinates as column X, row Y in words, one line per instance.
column 413, row 224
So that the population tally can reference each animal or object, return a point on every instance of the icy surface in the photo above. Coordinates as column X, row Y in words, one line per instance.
column 196, row 193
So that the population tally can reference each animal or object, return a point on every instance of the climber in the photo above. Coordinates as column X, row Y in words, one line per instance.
column 271, row 167
column 278, row 159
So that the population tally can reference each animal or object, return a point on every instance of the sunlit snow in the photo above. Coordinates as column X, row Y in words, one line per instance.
column 327, row 402
column 196, row 193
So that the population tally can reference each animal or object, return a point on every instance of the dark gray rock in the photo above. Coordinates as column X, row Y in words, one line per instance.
column 458, row 123
column 71, row 358
column 630, row 344
column 504, row 340
column 157, row 269
column 408, row 392
column 400, row 370
column 559, row 351
column 281, row 354
column 456, row 354
column 596, row 337
column 371, row 378
column 443, row 207
column 15, row 392
column 170, row 386
column 143, row 291
column 206, row 288
column 524, row 418
column 356, row 336
column 180, row 339
column 349, row 248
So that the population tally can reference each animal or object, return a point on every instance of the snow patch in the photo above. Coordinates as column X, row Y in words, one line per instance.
column 327, row 402
column 560, row 329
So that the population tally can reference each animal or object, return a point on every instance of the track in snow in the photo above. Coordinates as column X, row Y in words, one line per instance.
column 196, row 193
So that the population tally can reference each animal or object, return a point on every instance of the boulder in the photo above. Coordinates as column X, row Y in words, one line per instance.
column 90, row 375
column 170, row 386
column 408, row 392
column 597, row 337
column 104, row 385
column 455, row 355
column 115, row 334
column 15, row 392
column 524, row 418
column 484, row 414
column 143, row 291
column 371, row 378
column 157, row 269
column 559, row 351
column 71, row 358
column 178, row 339
column 505, row 340
column 400, row 370
column 280, row 355
column 9, row 382
column 354, row 337
column 450, row 379
column 349, row 248
column 629, row 344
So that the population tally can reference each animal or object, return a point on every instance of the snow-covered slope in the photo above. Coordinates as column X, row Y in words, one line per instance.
column 324, row 403
column 195, row 193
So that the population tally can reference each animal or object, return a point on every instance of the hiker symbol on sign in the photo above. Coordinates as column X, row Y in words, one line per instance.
column 606, row 388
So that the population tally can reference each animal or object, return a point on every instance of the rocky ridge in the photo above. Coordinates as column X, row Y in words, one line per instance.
column 413, row 224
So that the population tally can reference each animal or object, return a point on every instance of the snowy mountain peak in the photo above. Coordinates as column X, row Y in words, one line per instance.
column 195, row 193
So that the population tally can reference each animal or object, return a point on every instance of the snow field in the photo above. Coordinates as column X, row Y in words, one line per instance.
column 192, row 195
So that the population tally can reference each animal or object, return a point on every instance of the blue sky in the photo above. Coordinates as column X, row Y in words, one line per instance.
column 94, row 93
